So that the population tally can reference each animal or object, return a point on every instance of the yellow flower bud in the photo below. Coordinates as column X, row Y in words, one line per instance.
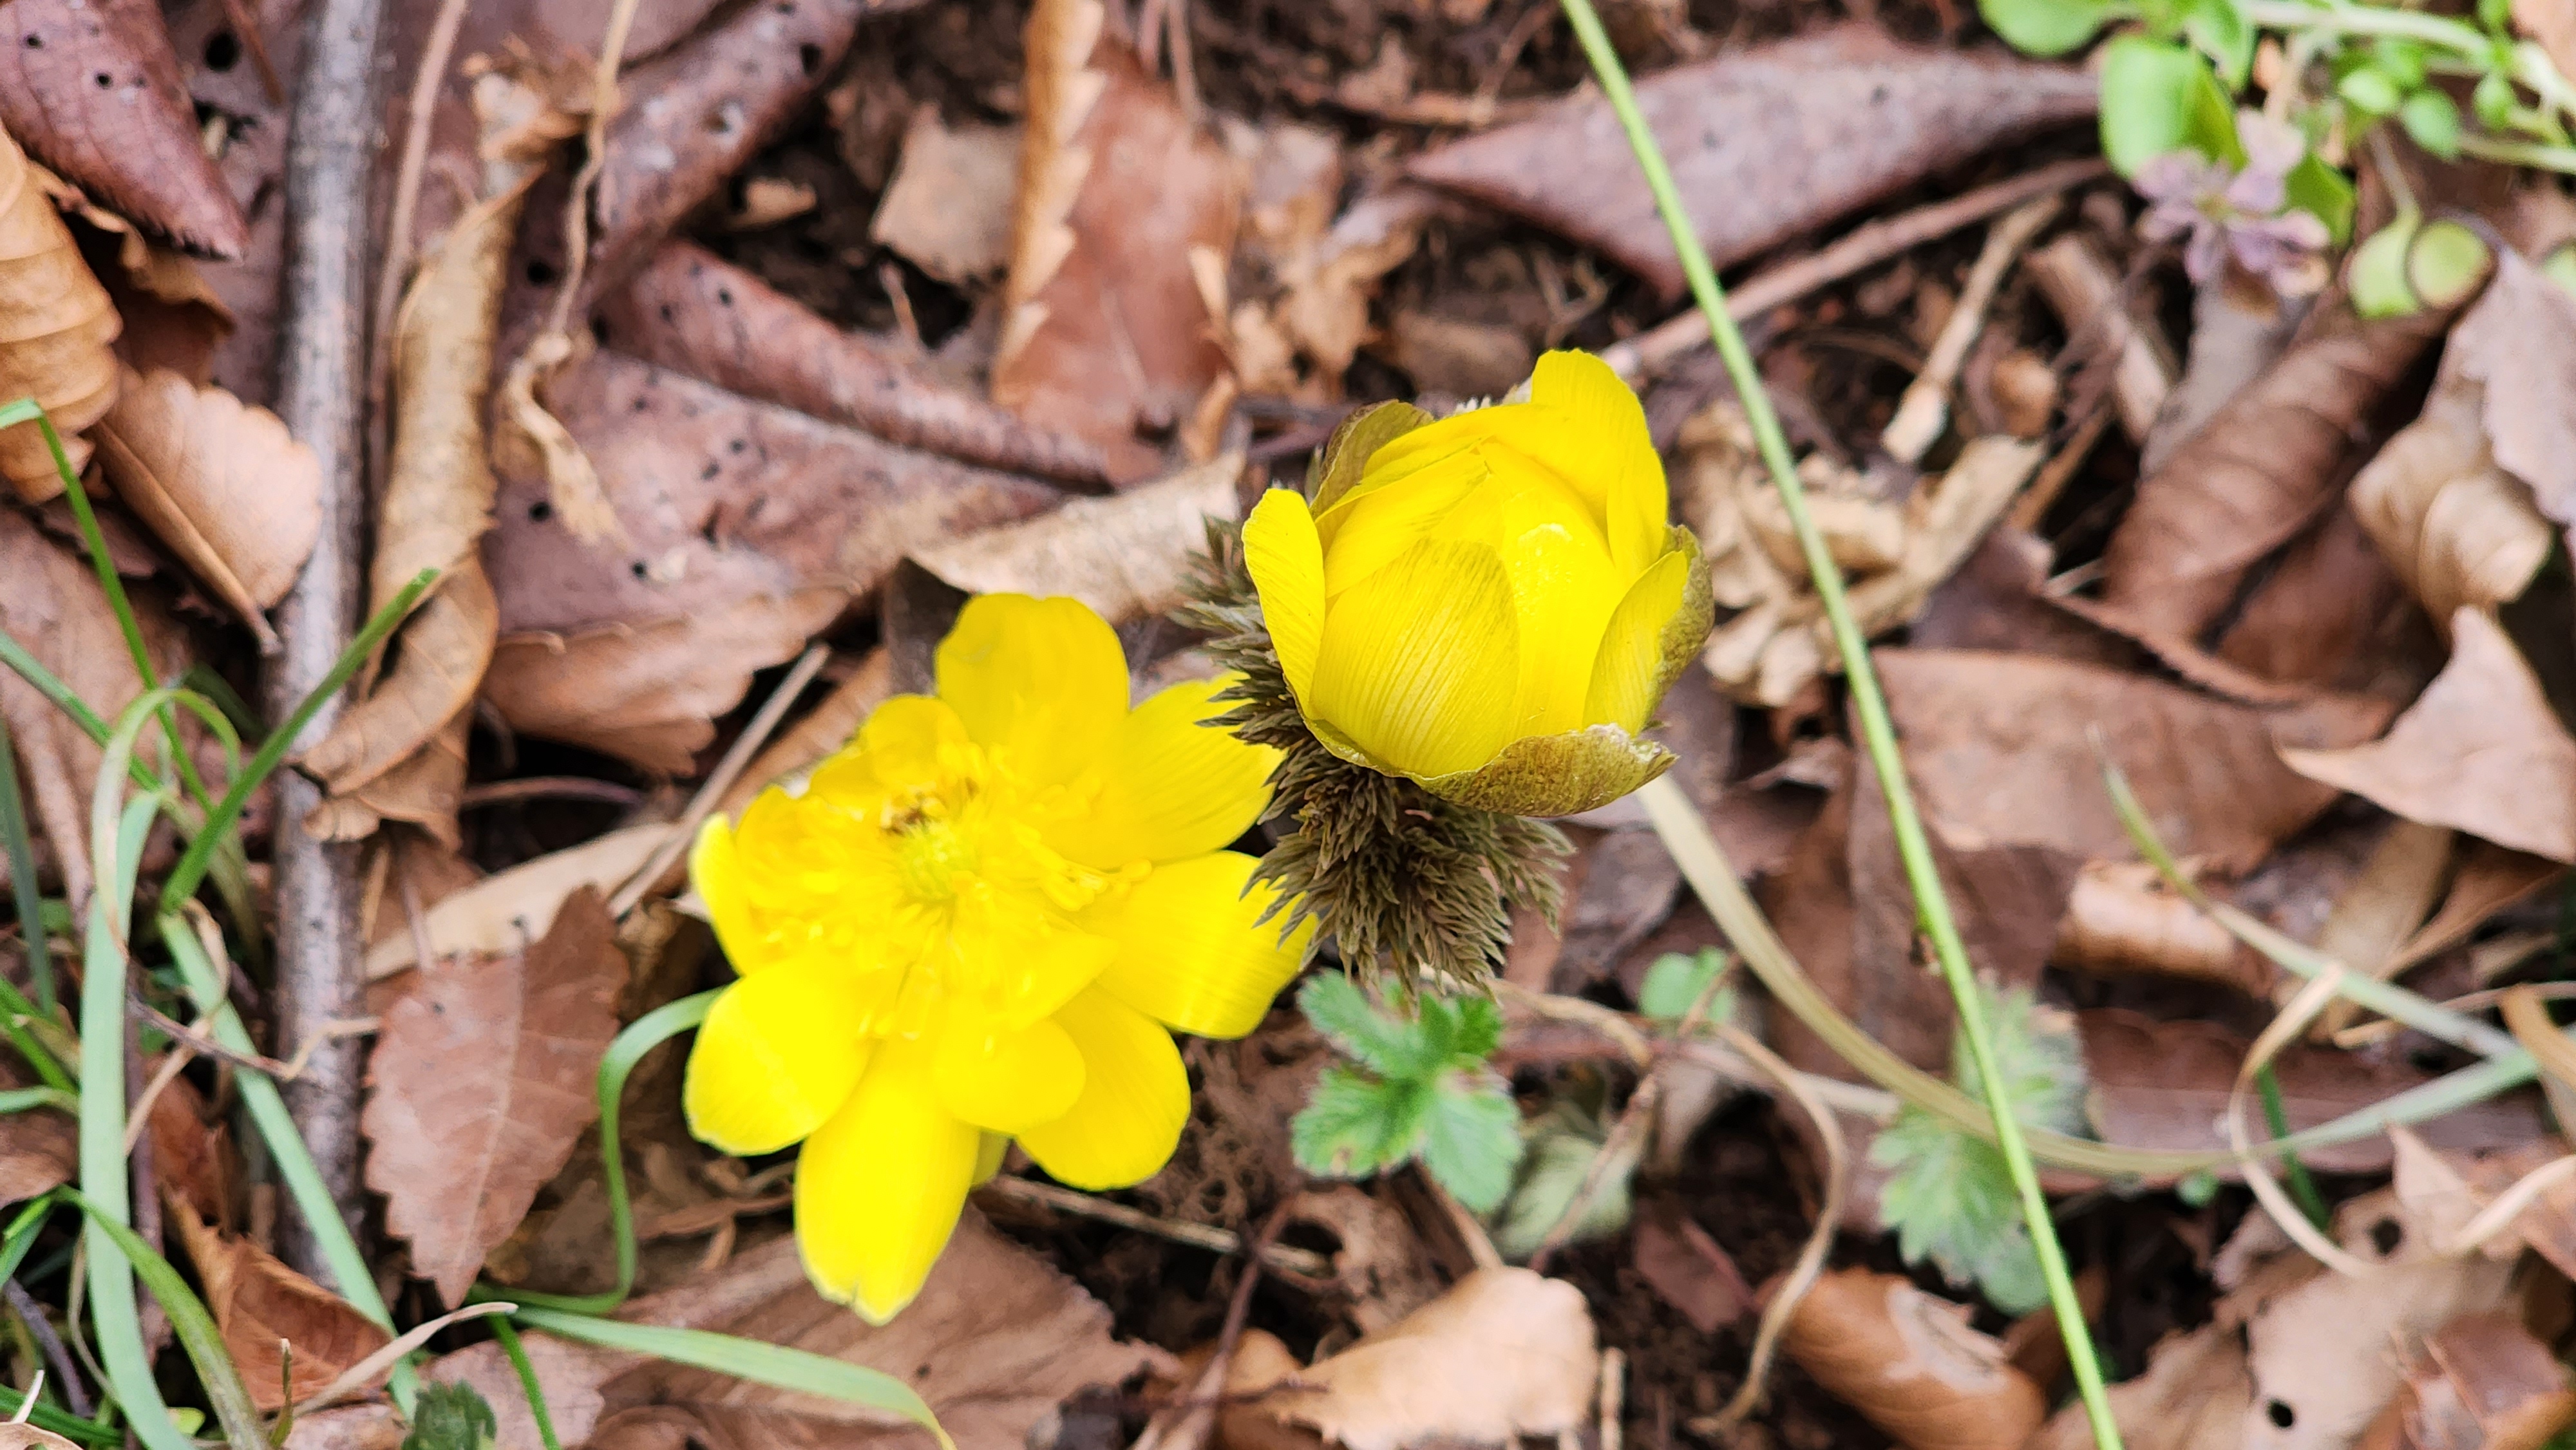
column 1490, row 604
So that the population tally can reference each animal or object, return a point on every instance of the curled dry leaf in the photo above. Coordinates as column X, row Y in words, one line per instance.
column 1910, row 1363
column 2456, row 527
column 2445, row 1190
column 1505, row 1353
column 2254, row 476
column 2480, row 750
column 1127, row 556
column 693, row 312
column 225, row 486
column 750, row 528
column 2480, row 1382
column 264, row 1309
column 1765, row 143
column 2165, row 1084
column 996, row 1341
column 482, row 1083
column 28, row 1437
column 2004, row 750
column 2517, row 346
column 492, row 916
column 92, row 88
column 58, row 323
column 1779, row 642
column 2122, row 918
column 1381, row 1270
column 1106, row 335
column 399, row 752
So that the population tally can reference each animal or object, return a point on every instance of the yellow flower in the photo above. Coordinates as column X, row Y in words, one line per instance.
column 1491, row 604
column 982, row 920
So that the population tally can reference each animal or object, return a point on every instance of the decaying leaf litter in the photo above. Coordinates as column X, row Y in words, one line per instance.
column 871, row 307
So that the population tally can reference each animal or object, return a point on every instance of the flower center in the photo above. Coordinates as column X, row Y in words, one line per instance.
column 935, row 855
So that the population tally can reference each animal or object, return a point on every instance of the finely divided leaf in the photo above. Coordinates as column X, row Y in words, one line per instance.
column 450, row 1417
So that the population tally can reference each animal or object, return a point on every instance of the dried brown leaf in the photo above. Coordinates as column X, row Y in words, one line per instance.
column 1765, row 144
column 263, row 1308
column 2518, row 345
column 28, row 1437
column 351, row 1427
column 58, row 323
column 2255, row 476
column 1127, row 556
column 225, row 486
column 2445, row 1190
column 482, row 1084
column 2122, row 918
column 1910, row 1363
column 2480, row 1382
column 2489, row 879
column 2480, row 750
column 93, row 88
column 1686, row 1268
column 693, row 312
column 1106, row 335
column 2455, row 526
column 2166, row 1085
column 435, row 506
column 2193, row 1396
column 1505, row 1353
column 2003, row 750
column 997, row 1340
column 496, row 914
column 2330, row 614
column 948, row 208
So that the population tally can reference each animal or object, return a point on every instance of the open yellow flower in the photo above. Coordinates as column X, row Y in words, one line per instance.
column 982, row 920
column 1490, row 604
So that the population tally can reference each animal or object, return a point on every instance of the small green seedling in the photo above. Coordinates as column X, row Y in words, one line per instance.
column 451, row 1417
column 1417, row 1087
column 1950, row 1199
column 1674, row 984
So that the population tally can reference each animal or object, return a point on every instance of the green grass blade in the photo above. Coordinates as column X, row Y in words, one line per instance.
column 640, row 1037
column 536, row 1393
column 195, row 1328
column 777, row 1366
column 191, row 869
column 21, row 846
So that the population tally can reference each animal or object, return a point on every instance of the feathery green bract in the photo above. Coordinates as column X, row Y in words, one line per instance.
column 1950, row 1198
column 451, row 1417
column 1419, row 1087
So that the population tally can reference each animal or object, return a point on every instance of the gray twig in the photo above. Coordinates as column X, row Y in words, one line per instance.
column 322, row 363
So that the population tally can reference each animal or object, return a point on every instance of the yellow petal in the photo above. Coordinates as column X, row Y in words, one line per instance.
column 1189, row 954
column 904, row 737
column 1601, row 445
column 1369, row 527
column 1135, row 1097
column 1172, row 787
column 1563, row 588
column 1042, row 681
column 1421, row 661
column 1630, row 667
column 777, row 1055
column 879, row 1187
column 715, row 869
column 989, row 1156
column 1003, row 1080
column 1286, row 558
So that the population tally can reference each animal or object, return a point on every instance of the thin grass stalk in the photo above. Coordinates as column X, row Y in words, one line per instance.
column 536, row 1393
column 1878, row 733
column 21, row 846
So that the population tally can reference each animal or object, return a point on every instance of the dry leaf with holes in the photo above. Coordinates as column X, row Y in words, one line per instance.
column 1128, row 556
column 2481, row 751
column 1505, row 1353
column 225, row 486
column 996, row 1342
column 482, row 1081
column 1766, row 142
column 1909, row 1362
column 2254, row 476
column 57, row 323
column 260, row 1305
column 2480, row 1382
column 695, row 313
column 1106, row 335
column 93, row 89
column 398, row 753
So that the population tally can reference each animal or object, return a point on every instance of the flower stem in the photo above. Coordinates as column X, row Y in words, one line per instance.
column 1877, row 731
